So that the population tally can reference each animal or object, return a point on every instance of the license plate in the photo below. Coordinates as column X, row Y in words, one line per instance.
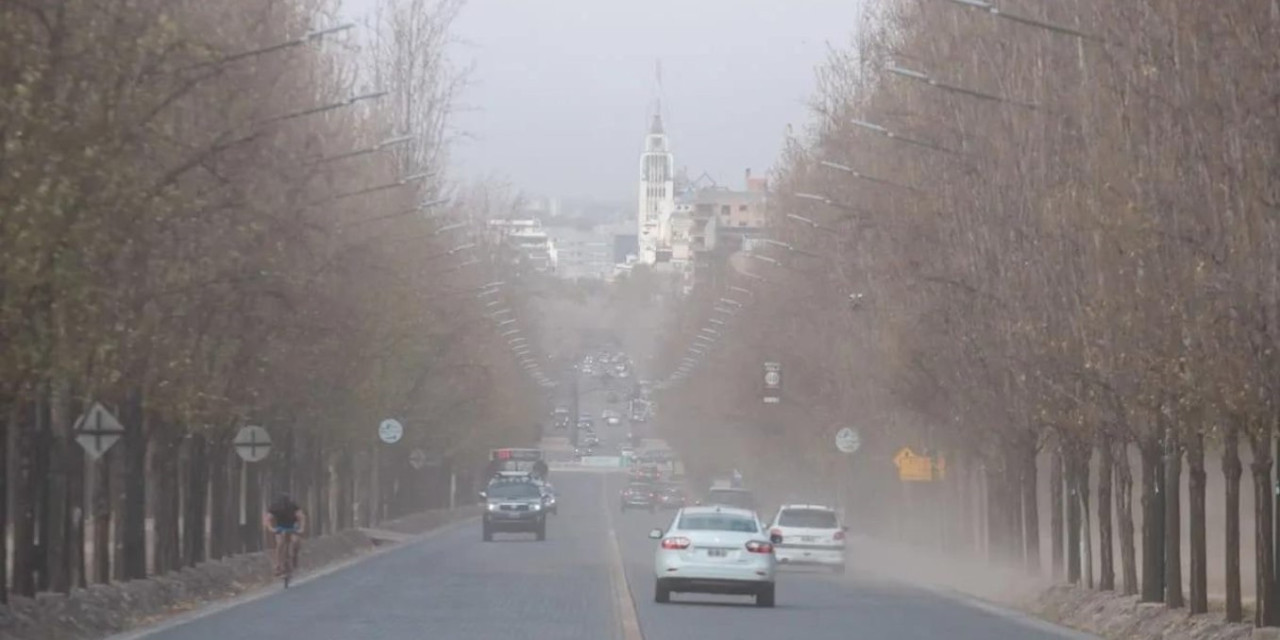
column 808, row 538
column 717, row 553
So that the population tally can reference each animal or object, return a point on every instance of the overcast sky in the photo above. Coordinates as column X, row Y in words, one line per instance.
column 562, row 89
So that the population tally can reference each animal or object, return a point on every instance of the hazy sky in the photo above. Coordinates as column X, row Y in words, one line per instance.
column 562, row 89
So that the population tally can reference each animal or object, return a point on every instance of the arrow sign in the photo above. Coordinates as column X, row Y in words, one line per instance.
column 97, row 430
column 417, row 458
column 252, row 443
column 390, row 431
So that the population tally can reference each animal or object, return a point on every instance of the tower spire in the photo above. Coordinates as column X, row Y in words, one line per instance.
column 656, row 127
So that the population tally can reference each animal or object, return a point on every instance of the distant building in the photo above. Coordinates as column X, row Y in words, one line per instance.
column 657, row 196
column 527, row 241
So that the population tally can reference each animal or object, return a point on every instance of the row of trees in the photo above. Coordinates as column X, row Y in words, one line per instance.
column 215, row 214
column 1044, row 235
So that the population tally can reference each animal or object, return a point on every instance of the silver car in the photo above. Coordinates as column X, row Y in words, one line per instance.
column 714, row 549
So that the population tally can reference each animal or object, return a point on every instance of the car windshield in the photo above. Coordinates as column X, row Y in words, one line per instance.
column 514, row 490
column 717, row 522
column 808, row 518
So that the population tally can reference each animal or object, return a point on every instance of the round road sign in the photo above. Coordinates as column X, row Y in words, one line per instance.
column 848, row 440
column 417, row 458
column 390, row 431
column 772, row 378
column 252, row 443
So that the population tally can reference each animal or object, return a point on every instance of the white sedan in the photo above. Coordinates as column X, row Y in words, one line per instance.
column 720, row 550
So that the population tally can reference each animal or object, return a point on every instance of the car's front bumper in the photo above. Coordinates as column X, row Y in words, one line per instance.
column 525, row 521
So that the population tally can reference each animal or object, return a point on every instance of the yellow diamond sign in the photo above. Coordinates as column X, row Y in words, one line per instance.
column 913, row 467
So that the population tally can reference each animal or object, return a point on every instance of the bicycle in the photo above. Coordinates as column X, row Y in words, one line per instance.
column 286, row 553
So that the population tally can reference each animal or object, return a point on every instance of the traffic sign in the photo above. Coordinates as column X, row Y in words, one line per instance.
column 97, row 430
column 772, row 382
column 848, row 440
column 390, row 431
column 417, row 458
column 252, row 443
column 917, row 468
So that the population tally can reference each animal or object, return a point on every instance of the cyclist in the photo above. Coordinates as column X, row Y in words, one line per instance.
column 288, row 522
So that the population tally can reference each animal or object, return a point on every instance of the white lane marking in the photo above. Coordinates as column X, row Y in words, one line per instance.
column 624, row 603
column 275, row 588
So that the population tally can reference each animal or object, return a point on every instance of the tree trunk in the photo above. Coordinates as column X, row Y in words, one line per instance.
column 1124, row 509
column 194, row 507
column 76, row 518
column 134, row 445
column 55, row 537
column 164, row 462
column 235, row 503
column 1199, row 546
column 1030, row 506
column 1232, row 470
column 1086, row 526
column 1265, row 614
column 251, row 527
column 1013, row 497
column 24, row 512
column 1173, row 596
column 1056, row 492
column 102, row 518
column 997, row 547
column 1152, row 521
column 1072, row 457
column 40, row 490
column 320, row 484
column 6, row 428
column 218, row 472
column 1106, row 552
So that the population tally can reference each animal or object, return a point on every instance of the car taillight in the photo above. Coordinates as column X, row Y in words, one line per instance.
column 675, row 543
column 839, row 535
column 755, row 546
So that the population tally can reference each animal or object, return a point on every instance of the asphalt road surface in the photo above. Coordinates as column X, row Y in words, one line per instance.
column 453, row 585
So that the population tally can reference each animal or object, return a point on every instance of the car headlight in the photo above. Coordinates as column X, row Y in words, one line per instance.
column 492, row 507
column 535, row 507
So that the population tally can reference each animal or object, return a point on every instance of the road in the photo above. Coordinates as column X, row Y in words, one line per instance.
column 453, row 585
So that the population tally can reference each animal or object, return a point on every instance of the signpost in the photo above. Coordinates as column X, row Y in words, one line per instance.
column 913, row 467
column 848, row 440
column 252, row 443
column 772, row 382
column 97, row 430
column 390, row 431
column 417, row 458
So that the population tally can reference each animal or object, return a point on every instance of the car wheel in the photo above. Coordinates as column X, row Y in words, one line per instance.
column 661, row 594
column 765, row 597
column 487, row 534
column 542, row 531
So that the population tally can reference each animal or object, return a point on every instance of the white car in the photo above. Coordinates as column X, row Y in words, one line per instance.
column 719, row 550
column 808, row 534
